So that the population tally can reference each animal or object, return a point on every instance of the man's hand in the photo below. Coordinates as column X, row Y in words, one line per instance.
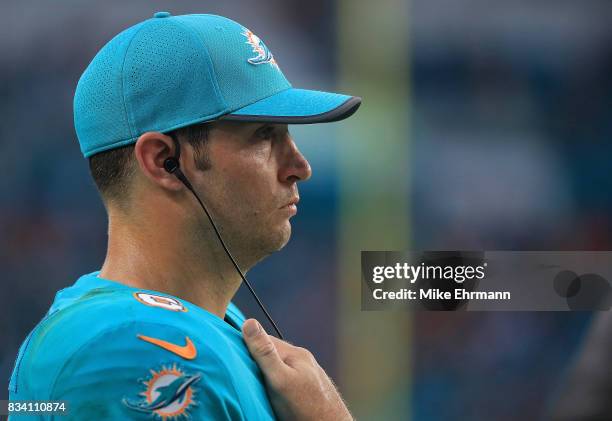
column 298, row 387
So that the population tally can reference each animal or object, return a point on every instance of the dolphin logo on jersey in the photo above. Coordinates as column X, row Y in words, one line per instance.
column 263, row 54
column 168, row 394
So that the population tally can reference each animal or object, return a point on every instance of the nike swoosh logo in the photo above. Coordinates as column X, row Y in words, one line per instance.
column 187, row 351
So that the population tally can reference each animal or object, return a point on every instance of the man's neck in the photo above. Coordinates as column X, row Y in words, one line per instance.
column 164, row 258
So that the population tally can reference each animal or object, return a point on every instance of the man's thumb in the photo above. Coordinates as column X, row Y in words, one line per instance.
column 261, row 347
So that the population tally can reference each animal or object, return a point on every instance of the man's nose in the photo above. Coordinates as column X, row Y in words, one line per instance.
column 295, row 166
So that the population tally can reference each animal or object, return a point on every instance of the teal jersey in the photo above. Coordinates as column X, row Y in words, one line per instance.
column 114, row 352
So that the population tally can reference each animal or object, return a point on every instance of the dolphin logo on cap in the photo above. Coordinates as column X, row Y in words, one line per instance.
column 263, row 54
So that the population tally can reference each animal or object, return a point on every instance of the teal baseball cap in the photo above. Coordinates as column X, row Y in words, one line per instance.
column 173, row 71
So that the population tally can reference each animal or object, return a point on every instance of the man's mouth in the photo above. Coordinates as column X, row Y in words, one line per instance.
column 291, row 206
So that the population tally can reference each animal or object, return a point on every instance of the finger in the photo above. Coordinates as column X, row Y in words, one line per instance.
column 281, row 346
column 294, row 356
column 262, row 348
column 284, row 349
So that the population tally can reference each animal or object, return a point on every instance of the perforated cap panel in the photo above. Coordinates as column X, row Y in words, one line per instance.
column 168, row 78
column 100, row 118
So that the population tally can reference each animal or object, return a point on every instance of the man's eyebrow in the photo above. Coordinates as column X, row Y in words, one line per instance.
column 280, row 129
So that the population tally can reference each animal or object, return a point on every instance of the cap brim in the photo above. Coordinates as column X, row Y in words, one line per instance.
column 298, row 106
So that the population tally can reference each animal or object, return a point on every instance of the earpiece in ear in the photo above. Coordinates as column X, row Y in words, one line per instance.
column 171, row 164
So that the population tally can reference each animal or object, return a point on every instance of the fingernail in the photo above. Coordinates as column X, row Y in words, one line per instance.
column 251, row 328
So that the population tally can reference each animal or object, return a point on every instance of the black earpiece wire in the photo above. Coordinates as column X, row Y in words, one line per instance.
column 172, row 165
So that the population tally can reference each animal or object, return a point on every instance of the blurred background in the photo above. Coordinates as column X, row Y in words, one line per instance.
column 485, row 126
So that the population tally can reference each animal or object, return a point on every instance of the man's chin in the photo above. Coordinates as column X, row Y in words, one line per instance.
column 280, row 237
column 271, row 244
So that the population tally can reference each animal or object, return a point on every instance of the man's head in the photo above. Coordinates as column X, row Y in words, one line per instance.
column 215, row 86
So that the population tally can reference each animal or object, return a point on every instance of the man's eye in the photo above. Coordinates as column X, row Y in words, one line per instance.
column 265, row 132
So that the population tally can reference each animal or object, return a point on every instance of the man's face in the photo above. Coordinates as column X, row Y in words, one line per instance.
column 251, row 185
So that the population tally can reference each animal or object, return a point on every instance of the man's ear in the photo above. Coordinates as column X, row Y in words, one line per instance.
column 151, row 150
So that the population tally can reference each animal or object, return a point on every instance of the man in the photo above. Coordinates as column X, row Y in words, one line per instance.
column 153, row 334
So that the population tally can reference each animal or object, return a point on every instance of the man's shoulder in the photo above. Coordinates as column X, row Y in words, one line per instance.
column 121, row 344
column 126, row 313
column 122, row 326
column 103, row 309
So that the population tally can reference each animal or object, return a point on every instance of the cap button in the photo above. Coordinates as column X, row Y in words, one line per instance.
column 162, row 14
